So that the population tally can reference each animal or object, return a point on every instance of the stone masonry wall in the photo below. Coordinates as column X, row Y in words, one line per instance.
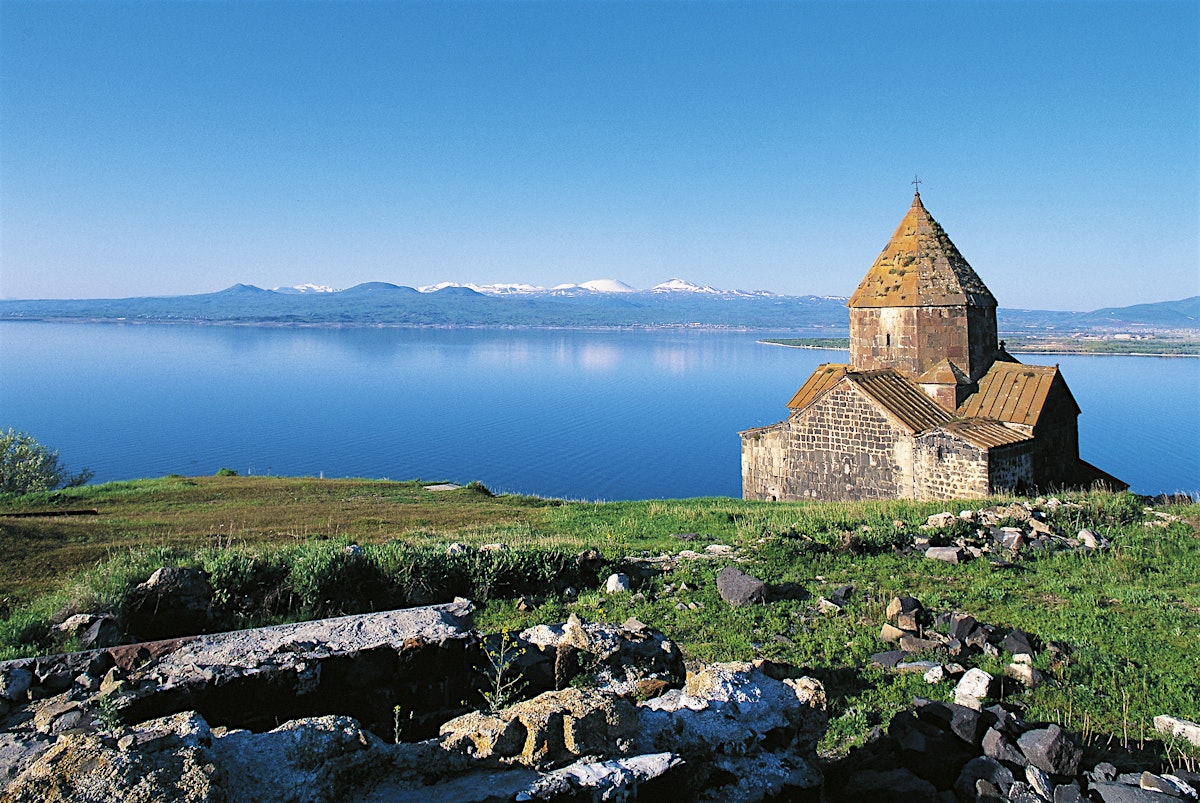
column 948, row 468
column 1010, row 468
column 914, row 339
column 1056, row 440
column 842, row 447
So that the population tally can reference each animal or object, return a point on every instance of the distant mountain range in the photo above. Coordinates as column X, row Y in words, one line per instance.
column 598, row 303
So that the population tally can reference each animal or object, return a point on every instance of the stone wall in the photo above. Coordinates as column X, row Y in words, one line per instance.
column 914, row 339
column 842, row 447
column 1056, row 439
column 1010, row 468
column 947, row 467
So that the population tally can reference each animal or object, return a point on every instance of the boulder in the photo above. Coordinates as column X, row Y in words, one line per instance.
column 173, row 602
column 948, row 554
column 1170, row 726
column 739, row 589
column 1109, row 792
column 974, row 686
column 1050, row 750
column 982, row 768
column 616, row 584
column 998, row 746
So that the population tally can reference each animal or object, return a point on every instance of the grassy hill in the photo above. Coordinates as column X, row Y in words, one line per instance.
column 277, row 549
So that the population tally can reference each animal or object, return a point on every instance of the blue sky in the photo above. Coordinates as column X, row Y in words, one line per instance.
column 169, row 148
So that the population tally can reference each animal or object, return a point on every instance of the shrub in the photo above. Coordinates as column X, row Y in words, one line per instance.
column 226, row 472
column 27, row 466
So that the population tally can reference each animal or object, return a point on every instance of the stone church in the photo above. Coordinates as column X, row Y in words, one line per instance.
column 930, row 406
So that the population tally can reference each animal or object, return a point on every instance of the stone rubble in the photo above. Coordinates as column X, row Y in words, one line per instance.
column 938, row 752
column 166, row 724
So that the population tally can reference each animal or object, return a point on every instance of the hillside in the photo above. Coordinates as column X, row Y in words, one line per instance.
column 1127, row 613
column 673, row 303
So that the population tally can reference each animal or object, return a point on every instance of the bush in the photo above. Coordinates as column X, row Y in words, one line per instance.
column 27, row 466
column 226, row 472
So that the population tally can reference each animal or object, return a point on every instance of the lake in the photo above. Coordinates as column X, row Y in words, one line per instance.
column 561, row 413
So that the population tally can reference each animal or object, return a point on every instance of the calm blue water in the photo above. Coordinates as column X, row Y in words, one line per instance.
column 574, row 414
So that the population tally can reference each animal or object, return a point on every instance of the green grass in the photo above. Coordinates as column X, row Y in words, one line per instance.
column 275, row 550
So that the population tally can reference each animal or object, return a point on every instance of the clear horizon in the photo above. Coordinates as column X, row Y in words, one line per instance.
column 182, row 147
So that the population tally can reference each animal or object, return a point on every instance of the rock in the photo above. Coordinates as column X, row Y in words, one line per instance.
column 730, row 709
column 842, row 595
column 1018, row 642
column 998, row 746
column 617, row 779
column 525, row 604
column 910, row 643
column 1088, row 539
column 739, row 589
column 961, row 625
column 1068, row 793
column 975, row 686
column 1103, row 772
column 173, row 602
column 56, row 717
column 1025, row 674
column 1179, row 728
column 915, row 667
column 1040, row 781
column 310, row 760
column 14, row 682
column 616, row 584
column 1021, row 792
column 941, row 520
column 887, row 660
column 883, row 786
column 935, row 675
column 1124, row 793
column 1166, row 785
column 982, row 768
column 82, row 767
column 1049, row 749
column 900, row 605
column 949, row 554
column 890, row 634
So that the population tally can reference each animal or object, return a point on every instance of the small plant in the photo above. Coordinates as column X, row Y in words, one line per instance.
column 504, row 681
column 106, row 712
column 396, row 726
column 226, row 472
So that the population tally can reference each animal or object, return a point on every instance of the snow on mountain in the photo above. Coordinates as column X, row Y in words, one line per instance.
column 303, row 289
column 683, row 286
column 607, row 286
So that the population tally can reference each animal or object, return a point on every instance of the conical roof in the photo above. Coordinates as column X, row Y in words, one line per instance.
column 920, row 267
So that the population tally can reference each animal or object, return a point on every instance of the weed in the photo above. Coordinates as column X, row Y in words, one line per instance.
column 504, row 681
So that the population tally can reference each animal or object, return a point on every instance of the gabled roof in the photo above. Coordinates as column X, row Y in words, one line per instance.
column 1013, row 393
column 822, row 379
column 920, row 267
column 897, row 395
column 944, row 373
column 902, row 399
column 984, row 433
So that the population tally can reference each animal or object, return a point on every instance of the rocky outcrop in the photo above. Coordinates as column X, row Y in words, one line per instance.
column 609, row 715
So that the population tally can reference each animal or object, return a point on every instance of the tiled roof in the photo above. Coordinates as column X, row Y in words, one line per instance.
column 985, row 433
column 1012, row 392
column 920, row 267
column 822, row 379
column 902, row 399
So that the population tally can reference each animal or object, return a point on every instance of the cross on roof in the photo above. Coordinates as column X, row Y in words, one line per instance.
column 916, row 182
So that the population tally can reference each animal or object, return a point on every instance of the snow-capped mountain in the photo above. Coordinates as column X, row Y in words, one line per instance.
column 303, row 289
column 683, row 286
